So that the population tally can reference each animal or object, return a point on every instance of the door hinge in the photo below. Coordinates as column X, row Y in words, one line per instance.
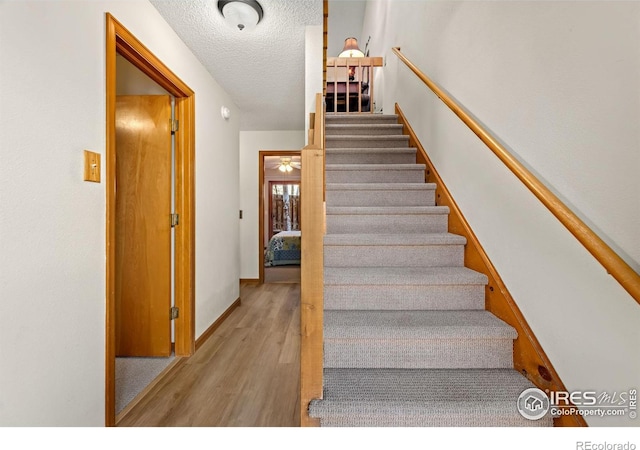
column 175, row 220
column 174, row 312
column 175, row 125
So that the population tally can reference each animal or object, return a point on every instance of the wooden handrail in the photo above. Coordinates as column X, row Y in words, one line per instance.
column 610, row 260
column 312, row 269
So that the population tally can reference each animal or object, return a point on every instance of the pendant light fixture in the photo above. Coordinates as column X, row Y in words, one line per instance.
column 243, row 15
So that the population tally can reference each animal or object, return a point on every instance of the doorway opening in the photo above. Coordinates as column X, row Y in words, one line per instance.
column 145, row 193
column 279, row 216
column 121, row 43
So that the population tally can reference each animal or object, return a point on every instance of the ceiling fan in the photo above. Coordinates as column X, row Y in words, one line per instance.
column 286, row 165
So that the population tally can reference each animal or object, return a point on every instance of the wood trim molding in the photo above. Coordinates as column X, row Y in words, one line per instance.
column 628, row 278
column 312, row 208
column 528, row 356
column 185, row 235
column 311, row 283
column 373, row 61
column 110, row 167
column 325, row 43
column 215, row 325
column 249, row 280
column 120, row 41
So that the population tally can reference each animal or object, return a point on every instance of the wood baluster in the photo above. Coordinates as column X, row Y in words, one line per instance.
column 359, row 84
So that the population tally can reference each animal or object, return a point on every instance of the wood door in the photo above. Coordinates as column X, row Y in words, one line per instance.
column 143, row 226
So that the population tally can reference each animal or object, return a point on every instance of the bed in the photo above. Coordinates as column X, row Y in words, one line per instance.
column 283, row 249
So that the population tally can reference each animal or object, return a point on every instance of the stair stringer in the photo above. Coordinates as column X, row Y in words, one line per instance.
column 529, row 358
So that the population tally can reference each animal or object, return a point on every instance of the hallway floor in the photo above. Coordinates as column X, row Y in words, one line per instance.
column 247, row 374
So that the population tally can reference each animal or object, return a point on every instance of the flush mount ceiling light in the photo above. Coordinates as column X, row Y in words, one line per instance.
column 242, row 15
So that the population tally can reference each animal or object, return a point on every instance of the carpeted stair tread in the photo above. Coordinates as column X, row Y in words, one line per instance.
column 380, row 186
column 379, row 150
column 410, row 220
column 378, row 167
column 361, row 118
column 386, row 210
column 403, row 276
column 423, row 385
column 364, row 155
column 393, row 250
column 380, row 194
column 422, row 397
column 407, row 339
column 354, row 140
column 419, row 325
column 409, row 297
column 363, row 129
column 394, row 239
column 365, row 138
column 375, row 173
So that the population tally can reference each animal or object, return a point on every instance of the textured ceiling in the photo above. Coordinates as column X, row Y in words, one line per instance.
column 262, row 69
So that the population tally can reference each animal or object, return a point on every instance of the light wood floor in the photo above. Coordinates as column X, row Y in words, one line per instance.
column 247, row 374
column 282, row 274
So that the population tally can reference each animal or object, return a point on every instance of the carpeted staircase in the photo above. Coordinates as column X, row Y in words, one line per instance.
column 407, row 341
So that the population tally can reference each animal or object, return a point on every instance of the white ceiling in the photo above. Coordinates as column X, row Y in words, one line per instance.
column 262, row 69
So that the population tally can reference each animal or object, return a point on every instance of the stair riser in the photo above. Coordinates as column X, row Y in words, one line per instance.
column 381, row 198
column 364, row 119
column 362, row 142
column 409, row 223
column 375, row 176
column 404, row 298
column 393, row 256
column 419, row 354
column 463, row 417
column 371, row 158
column 364, row 130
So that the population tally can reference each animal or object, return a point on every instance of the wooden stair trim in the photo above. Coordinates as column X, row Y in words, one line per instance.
column 528, row 356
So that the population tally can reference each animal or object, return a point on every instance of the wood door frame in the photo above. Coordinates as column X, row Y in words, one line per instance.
column 261, row 156
column 120, row 41
column 271, row 183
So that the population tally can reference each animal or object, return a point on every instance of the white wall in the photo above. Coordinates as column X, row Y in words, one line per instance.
column 251, row 143
column 345, row 20
column 313, row 71
column 558, row 83
column 132, row 81
column 52, row 224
